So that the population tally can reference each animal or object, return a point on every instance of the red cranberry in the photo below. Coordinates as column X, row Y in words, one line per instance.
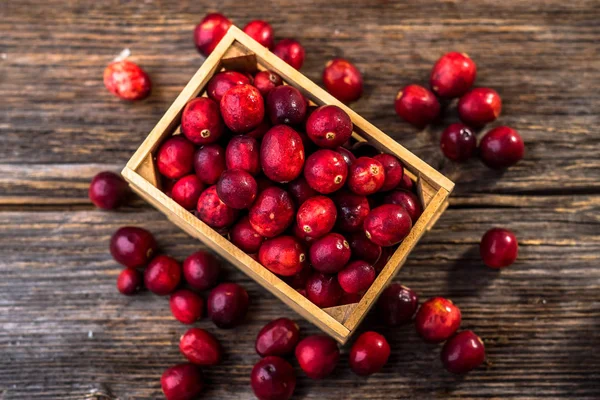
column 186, row 306
column 417, row 105
column 406, row 183
column 277, row 338
column 283, row 255
column 463, row 352
column 243, row 152
column 397, row 304
column 237, row 188
column 394, row 171
column 364, row 249
column 108, row 190
column 213, row 211
column 209, row 163
column 301, row 190
column 300, row 234
column 182, row 382
column 408, row 200
column 458, row 142
column 316, row 216
column 437, row 320
column 347, row 154
column 329, row 126
column 386, row 254
column 186, row 191
column 499, row 248
column 129, row 281
column 242, row 108
column 350, row 298
column 479, row 107
column 343, row 80
column 200, row 347
column 222, row 82
column 317, row 355
column 286, row 105
column 282, row 154
column 364, row 149
column 265, row 81
column 272, row 212
column 330, row 253
column 323, row 290
column 388, row 224
column 132, row 247
column 261, row 31
column 201, row 270
column 201, row 122
column 244, row 236
column 258, row 132
column 366, row 176
column 210, row 31
column 502, row 147
column 175, row 157
column 227, row 305
column 453, row 75
column 356, row 277
column 127, row 80
column 352, row 210
column 162, row 275
column 273, row 378
column 325, row 171
column 369, row 354
column 290, row 51
column 299, row 280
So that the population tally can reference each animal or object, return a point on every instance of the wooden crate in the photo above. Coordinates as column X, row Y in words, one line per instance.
column 237, row 51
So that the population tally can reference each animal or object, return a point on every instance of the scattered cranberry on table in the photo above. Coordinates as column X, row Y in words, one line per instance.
column 437, row 320
column 130, row 281
column 273, row 378
column 417, row 105
column 290, row 51
column 132, row 247
column 227, row 305
column 277, row 338
column 458, row 142
column 201, row 270
column 200, row 347
column 261, row 31
column 463, row 352
column 163, row 275
column 499, row 248
column 317, row 355
column 186, row 306
column 108, row 190
column 369, row 354
column 453, row 75
column 502, row 147
column 210, row 31
column 182, row 382
column 343, row 80
column 127, row 80
column 479, row 106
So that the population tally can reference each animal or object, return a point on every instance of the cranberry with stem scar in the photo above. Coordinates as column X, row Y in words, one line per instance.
column 364, row 249
column 209, row 163
column 290, row 51
column 163, row 275
column 330, row 253
column 479, row 107
column 408, row 200
column 227, row 305
column 437, row 320
column 388, row 224
column 182, row 382
column 277, row 338
column 394, row 171
column 130, row 281
column 272, row 212
column 356, row 277
column 222, row 82
column 243, row 152
column 369, row 354
column 463, row 352
column 317, row 355
column 261, row 31
column 187, row 190
column 329, row 126
column 266, row 80
column 502, row 147
column 316, row 216
column 201, row 122
column 397, row 305
column 201, row 270
column 213, row 211
column 286, row 105
column 343, row 80
column 108, row 190
column 417, row 105
column 237, row 188
column 366, row 176
column 499, row 248
column 283, row 255
column 452, row 75
column 352, row 210
column 244, row 236
column 242, row 108
column 200, row 347
column 273, row 378
column 186, row 306
column 282, row 154
column 127, row 80
column 458, row 142
column 323, row 290
column 326, row 171
column 210, row 31
column 132, row 247
column 175, row 157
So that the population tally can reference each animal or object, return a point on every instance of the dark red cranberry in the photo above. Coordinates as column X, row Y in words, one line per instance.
column 316, row 216
column 323, row 290
column 265, row 81
column 243, row 152
column 347, row 154
column 283, row 255
column 330, row 254
column 261, row 31
column 163, row 275
column 186, row 191
column 406, row 183
column 369, row 354
column 350, row 298
column 237, row 188
column 127, row 80
column 201, row 270
column 479, row 106
column 182, row 382
column 366, row 176
column 458, row 142
column 364, row 249
column 200, row 347
column 301, row 190
column 242, row 108
column 299, row 280
column 352, row 209
column 213, row 211
column 394, row 171
column 343, row 80
column 175, row 157
column 317, row 355
column 364, row 149
column 222, row 82
column 201, row 122
column 244, row 236
column 108, row 190
column 356, row 277
column 209, row 163
column 273, row 378
column 286, row 105
column 502, row 147
column 282, row 154
column 186, row 306
column 325, row 171
column 210, row 31
column 329, row 126
column 290, row 51
column 408, row 200
column 227, row 305
column 453, row 75
column 132, row 247
column 463, row 352
column 258, row 132
column 130, row 281
column 499, row 248
column 397, row 304
column 388, row 224
column 437, row 320
column 277, row 338
column 386, row 254
column 417, row 105
column 272, row 212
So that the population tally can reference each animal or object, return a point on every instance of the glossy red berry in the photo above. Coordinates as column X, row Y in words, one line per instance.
column 437, row 320
column 394, row 171
column 356, row 277
column 132, row 247
column 458, row 142
column 387, row 225
column 108, row 190
column 273, row 378
column 242, row 108
column 301, row 190
column 363, row 248
column 290, row 51
column 406, row 183
column 163, row 275
column 325, row 171
column 201, row 121
column 317, row 355
column 324, row 290
column 453, row 75
column 222, row 82
column 283, row 255
column 265, row 81
column 347, row 154
column 272, row 212
column 210, row 31
column 201, row 270
column 130, row 281
column 286, row 105
column 330, row 254
column 187, row 190
column 200, row 347
column 479, row 107
column 227, row 305
column 397, row 305
column 352, row 209
column 499, row 248
column 182, row 382
column 237, row 188
column 463, row 352
column 343, row 80
column 261, row 31
column 127, row 80
column 277, row 338
column 186, row 306
column 366, row 176
column 244, row 236
column 213, row 211
column 408, row 200
column 209, row 163
column 282, row 154
column 329, row 126
column 417, row 105
column 502, row 147
column 369, row 354
column 175, row 157
column 316, row 216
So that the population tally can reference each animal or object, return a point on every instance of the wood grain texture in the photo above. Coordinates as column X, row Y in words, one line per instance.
column 540, row 319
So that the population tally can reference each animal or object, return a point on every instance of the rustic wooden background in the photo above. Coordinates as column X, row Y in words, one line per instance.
column 65, row 332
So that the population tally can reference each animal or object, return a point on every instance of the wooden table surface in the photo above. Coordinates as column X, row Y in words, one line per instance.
column 65, row 332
